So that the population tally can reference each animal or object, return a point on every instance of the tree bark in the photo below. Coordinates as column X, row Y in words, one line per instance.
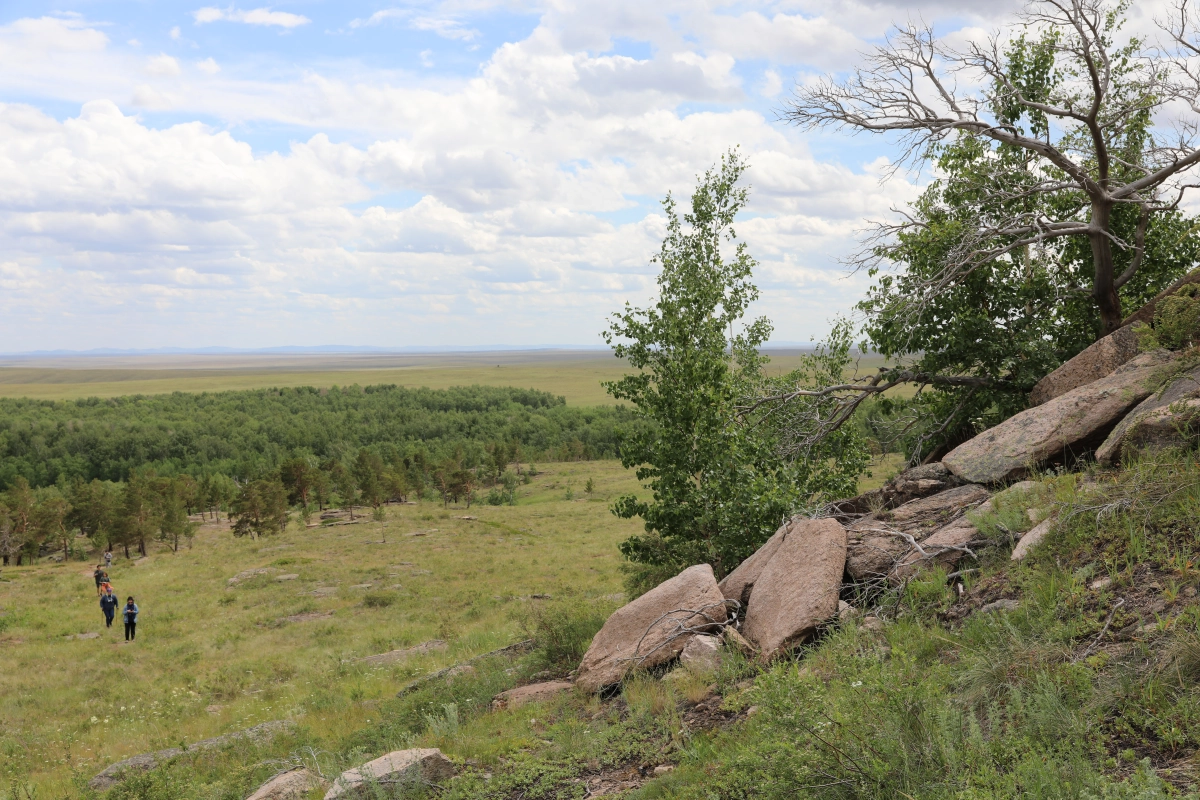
column 1104, row 291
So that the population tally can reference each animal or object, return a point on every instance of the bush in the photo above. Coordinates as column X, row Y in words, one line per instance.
column 563, row 629
column 379, row 599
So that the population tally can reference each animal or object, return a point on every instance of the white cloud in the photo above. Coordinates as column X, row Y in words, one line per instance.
column 257, row 16
column 175, row 33
column 521, row 197
column 161, row 65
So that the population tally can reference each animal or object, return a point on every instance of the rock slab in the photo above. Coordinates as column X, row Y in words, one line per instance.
column 702, row 654
column 912, row 484
column 1162, row 419
column 650, row 630
column 398, row 768
column 533, row 693
column 1032, row 538
column 738, row 584
column 874, row 546
column 798, row 588
column 1068, row 424
column 1097, row 361
column 293, row 785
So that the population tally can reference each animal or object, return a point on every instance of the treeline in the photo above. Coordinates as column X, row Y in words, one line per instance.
column 247, row 434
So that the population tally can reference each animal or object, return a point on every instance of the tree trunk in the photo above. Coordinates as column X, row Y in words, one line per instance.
column 1104, row 293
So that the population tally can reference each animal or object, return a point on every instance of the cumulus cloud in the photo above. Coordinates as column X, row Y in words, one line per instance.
column 257, row 16
column 412, row 207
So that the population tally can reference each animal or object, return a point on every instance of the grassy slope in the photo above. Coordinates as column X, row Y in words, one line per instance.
column 205, row 646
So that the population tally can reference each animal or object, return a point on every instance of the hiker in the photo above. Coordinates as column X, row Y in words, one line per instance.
column 108, row 559
column 99, row 576
column 130, row 615
column 108, row 604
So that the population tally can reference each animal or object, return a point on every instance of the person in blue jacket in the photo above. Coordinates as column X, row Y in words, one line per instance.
column 108, row 604
column 130, row 615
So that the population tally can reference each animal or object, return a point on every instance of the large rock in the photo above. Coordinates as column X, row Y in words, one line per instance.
column 875, row 544
column 1162, row 419
column 798, row 588
column 911, row 484
column 738, row 584
column 944, row 547
column 1067, row 425
column 654, row 628
column 399, row 768
column 293, row 785
column 1099, row 360
column 533, row 693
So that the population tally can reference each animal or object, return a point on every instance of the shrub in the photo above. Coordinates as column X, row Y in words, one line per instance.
column 563, row 629
column 379, row 599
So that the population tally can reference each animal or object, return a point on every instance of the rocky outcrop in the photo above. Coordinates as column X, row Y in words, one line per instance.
column 392, row 656
column 944, row 547
column 877, row 543
column 1099, row 360
column 400, row 768
column 1161, row 420
column 798, row 588
column 1068, row 425
column 293, row 785
column 909, row 485
column 738, row 584
column 653, row 629
column 533, row 693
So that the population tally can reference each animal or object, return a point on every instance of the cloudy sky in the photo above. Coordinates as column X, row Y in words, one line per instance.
column 473, row 173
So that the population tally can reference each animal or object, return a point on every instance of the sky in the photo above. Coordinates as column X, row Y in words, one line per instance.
column 176, row 174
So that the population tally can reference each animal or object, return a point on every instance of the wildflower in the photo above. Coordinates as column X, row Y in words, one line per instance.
column 856, row 684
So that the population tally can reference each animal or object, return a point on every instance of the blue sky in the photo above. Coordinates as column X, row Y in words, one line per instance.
column 411, row 174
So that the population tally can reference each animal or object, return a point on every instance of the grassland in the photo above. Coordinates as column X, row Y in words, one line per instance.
column 212, row 658
column 575, row 375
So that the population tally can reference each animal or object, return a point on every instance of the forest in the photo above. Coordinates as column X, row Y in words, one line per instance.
column 246, row 434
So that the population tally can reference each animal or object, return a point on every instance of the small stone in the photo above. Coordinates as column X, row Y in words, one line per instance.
column 362, row 586
column 1190, row 591
column 89, row 635
column 213, row 709
column 846, row 611
column 736, row 641
column 533, row 693
column 293, row 785
column 1000, row 605
column 289, row 577
column 1032, row 538
column 873, row 623
column 664, row 769
column 702, row 654
column 1100, row 583
column 751, row 711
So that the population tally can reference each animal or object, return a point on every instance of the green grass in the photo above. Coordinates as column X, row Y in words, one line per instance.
column 211, row 659
column 575, row 376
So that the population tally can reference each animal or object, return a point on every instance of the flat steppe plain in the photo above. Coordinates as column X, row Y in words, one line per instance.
column 573, row 374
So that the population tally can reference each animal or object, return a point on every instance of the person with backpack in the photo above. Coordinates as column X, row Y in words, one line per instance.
column 98, row 574
column 130, row 615
column 108, row 559
column 108, row 604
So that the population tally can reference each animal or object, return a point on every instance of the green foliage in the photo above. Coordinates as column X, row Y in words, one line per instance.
column 563, row 628
column 1176, row 321
column 260, row 508
column 247, row 434
column 719, row 482
column 380, row 599
column 1012, row 319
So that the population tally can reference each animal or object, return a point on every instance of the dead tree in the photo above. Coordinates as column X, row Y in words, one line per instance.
column 1093, row 91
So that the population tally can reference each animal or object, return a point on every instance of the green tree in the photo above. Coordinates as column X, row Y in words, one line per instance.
column 369, row 477
column 50, row 515
column 172, row 513
column 93, row 510
column 260, row 508
column 138, row 514
column 719, row 483
column 19, row 502
column 298, row 475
